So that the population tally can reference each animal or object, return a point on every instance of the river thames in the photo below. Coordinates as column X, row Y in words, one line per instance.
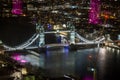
column 87, row 64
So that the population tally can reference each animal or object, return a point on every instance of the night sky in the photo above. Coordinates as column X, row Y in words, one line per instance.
column 14, row 31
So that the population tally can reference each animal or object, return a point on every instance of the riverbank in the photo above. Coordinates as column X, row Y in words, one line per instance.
column 116, row 47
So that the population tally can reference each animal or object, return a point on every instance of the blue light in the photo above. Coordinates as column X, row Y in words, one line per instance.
column 47, row 53
column 49, row 26
column 66, row 49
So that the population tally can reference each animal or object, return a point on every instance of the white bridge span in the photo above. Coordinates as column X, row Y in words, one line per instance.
column 38, row 39
column 29, row 43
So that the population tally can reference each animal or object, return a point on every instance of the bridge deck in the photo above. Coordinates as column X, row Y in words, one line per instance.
column 56, row 45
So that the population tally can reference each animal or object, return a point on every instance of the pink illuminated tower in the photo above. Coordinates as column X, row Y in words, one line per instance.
column 17, row 7
column 94, row 12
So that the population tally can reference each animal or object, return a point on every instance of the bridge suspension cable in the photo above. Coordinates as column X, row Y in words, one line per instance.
column 99, row 39
column 24, row 45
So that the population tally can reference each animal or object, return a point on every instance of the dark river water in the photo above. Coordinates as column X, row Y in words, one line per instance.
column 88, row 64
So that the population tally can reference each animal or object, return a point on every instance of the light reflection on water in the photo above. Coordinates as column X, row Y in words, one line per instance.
column 101, row 62
column 83, row 63
column 76, row 63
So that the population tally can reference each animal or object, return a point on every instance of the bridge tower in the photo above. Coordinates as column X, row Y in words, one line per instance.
column 40, row 31
column 108, row 37
column 72, row 32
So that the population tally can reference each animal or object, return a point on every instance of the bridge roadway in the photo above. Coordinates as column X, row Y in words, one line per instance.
column 53, row 45
column 57, row 31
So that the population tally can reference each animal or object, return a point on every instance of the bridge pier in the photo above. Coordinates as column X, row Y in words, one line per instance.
column 72, row 37
column 41, row 35
column 72, row 33
column 41, row 39
column 98, row 45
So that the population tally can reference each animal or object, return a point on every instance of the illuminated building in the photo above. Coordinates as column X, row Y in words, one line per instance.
column 94, row 11
column 17, row 7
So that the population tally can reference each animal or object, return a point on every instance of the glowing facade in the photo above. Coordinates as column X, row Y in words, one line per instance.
column 94, row 12
column 17, row 7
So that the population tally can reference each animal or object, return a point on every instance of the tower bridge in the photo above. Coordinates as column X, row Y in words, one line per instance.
column 38, row 39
